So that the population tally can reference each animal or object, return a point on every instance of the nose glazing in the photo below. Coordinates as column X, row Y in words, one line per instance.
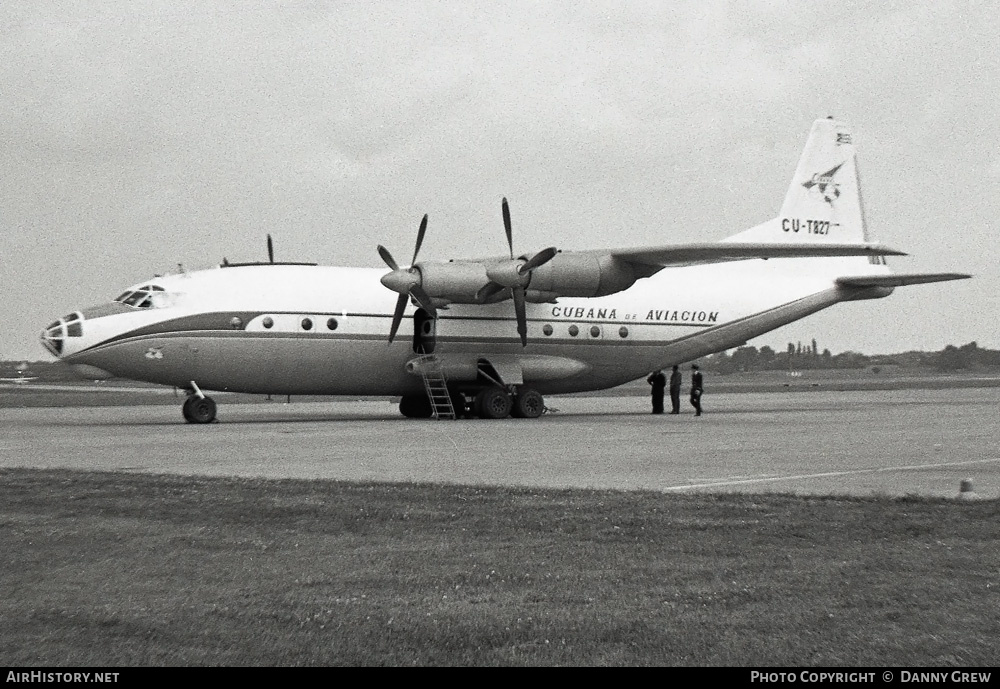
column 54, row 337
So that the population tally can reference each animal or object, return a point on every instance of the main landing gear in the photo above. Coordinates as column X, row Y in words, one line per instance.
column 198, row 408
column 528, row 404
column 493, row 402
column 416, row 407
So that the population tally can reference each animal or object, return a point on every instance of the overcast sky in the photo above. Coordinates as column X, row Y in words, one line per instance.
column 136, row 135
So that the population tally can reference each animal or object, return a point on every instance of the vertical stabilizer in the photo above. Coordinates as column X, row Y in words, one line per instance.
column 823, row 202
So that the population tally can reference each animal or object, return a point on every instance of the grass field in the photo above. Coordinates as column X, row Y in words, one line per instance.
column 136, row 570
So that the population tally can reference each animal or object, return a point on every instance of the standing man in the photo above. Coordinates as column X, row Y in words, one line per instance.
column 659, row 383
column 675, row 390
column 697, row 387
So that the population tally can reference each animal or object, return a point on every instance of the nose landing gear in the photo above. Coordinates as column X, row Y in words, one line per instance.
column 198, row 408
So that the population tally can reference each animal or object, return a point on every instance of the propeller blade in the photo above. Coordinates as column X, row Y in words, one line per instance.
column 519, row 311
column 487, row 291
column 397, row 317
column 420, row 239
column 406, row 282
column 270, row 249
column 387, row 257
column 541, row 258
column 506, row 226
column 424, row 299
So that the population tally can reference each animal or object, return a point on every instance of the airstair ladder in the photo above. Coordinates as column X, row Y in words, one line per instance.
column 437, row 392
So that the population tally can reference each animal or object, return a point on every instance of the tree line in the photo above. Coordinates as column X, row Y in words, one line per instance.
column 799, row 357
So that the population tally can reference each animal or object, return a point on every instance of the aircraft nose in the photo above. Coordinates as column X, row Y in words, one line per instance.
column 54, row 336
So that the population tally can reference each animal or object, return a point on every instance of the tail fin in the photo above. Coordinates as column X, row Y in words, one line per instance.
column 823, row 203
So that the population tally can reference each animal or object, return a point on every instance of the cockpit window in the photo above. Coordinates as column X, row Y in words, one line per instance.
column 141, row 298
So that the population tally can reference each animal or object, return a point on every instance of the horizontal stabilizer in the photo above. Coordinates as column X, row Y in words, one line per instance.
column 718, row 252
column 900, row 280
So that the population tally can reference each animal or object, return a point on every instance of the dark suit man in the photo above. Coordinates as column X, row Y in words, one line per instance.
column 659, row 383
column 697, row 387
column 675, row 390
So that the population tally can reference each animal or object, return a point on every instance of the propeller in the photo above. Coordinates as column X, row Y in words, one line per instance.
column 514, row 275
column 406, row 281
column 270, row 249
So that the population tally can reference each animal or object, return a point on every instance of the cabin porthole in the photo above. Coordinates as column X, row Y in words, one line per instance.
column 268, row 322
column 547, row 329
column 307, row 324
column 235, row 322
column 574, row 331
column 623, row 331
column 595, row 331
column 331, row 324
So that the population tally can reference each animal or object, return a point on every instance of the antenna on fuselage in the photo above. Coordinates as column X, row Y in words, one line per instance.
column 226, row 263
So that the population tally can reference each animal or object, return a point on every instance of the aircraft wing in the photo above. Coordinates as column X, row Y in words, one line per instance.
column 676, row 255
column 900, row 280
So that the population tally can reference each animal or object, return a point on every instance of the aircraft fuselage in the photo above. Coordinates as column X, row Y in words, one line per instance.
column 285, row 329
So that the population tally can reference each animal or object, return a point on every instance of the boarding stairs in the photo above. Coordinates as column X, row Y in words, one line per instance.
column 436, row 386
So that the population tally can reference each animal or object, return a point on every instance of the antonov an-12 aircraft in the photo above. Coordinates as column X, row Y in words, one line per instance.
column 489, row 337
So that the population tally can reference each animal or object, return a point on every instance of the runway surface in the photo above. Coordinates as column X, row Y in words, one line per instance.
column 898, row 442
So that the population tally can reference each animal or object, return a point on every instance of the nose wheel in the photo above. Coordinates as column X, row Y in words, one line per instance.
column 198, row 409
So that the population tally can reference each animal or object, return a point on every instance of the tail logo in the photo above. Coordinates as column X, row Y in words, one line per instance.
column 824, row 185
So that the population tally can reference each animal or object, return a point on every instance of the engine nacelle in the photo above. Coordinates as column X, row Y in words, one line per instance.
column 453, row 281
column 566, row 275
column 581, row 275
column 507, row 273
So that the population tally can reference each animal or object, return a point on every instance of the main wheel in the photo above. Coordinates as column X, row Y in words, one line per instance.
column 199, row 410
column 493, row 403
column 415, row 407
column 528, row 404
